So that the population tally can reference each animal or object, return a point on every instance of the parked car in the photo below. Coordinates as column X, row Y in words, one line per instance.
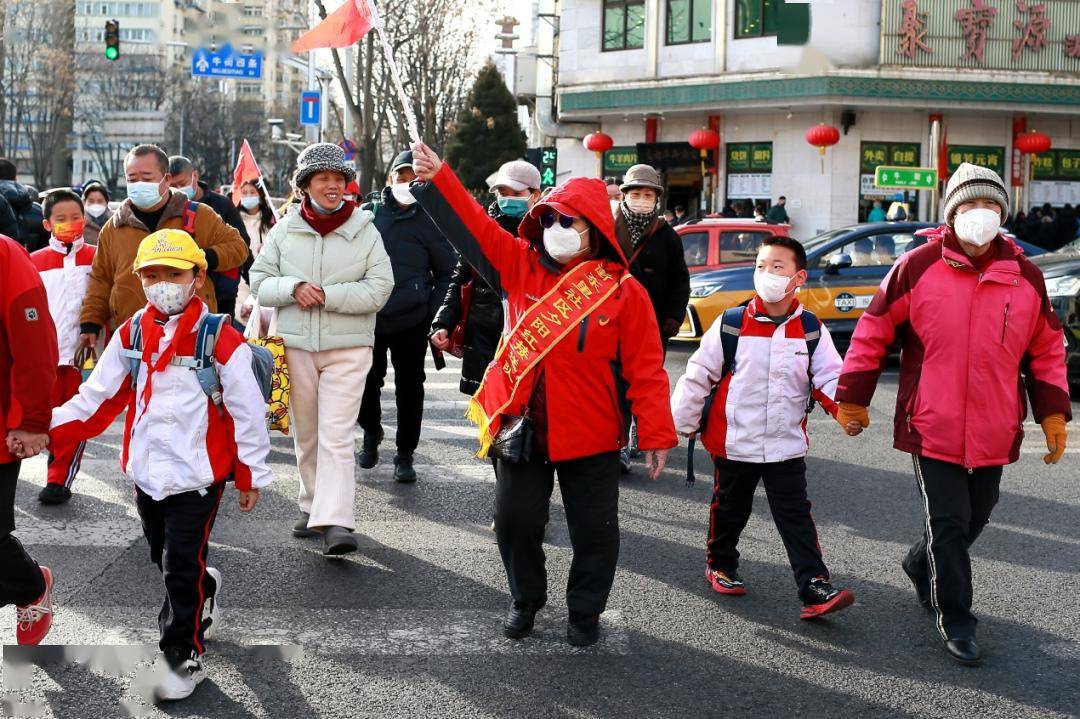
column 713, row 242
column 845, row 265
column 1061, row 270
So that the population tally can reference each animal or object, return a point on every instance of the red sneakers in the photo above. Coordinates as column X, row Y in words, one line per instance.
column 35, row 620
column 725, row 583
column 821, row 598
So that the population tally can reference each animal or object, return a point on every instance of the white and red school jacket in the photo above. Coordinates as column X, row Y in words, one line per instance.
column 181, row 442
column 759, row 411
column 65, row 275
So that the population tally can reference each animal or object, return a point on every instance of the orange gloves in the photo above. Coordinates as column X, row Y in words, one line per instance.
column 1054, row 429
column 848, row 413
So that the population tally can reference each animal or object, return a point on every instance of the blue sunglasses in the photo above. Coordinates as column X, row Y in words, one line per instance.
column 548, row 218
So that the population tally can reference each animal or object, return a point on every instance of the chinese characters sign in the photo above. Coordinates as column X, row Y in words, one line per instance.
column 900, row 154
column 990, row 157
column 1022, row 35
column 748, row 157
column 618, row 160
column 1062, row 165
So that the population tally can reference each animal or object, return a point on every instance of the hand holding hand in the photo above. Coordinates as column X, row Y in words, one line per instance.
column 441, row 340
column 1056, row 435
column 852, row 417
column 248, row 499
column 24, row 444
column 655, row 461
column 309, row 295
column 426, row 164
column 87, row 339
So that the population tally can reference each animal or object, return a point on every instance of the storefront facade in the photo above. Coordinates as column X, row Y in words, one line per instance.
column 881, row 72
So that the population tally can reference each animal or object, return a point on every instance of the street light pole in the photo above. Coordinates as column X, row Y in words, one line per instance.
column 313, row 132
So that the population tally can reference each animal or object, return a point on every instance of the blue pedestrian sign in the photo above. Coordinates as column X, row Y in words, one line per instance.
column 227, row 62
column 310, row 107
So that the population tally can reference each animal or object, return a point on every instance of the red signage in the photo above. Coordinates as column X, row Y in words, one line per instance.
column 975, row 23
column 913, row 31
column 1032, row 28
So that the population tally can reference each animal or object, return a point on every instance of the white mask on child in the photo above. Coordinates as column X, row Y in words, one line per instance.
column 168, row 297
column 770, row 287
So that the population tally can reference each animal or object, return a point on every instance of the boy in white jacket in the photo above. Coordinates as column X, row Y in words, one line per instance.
column 180, row 447
column 755, row 428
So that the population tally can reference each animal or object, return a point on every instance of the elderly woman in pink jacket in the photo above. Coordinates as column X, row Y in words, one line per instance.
column 976, row 330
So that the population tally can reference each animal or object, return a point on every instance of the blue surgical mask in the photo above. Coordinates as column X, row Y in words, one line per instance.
column 323, row 211
column 144, row 195
column 513, row 206
column 249, row 202
column 189, row 191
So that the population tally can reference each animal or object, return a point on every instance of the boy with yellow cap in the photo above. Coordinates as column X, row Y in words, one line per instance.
column 148, row 369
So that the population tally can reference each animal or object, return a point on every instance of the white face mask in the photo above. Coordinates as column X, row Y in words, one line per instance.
column 564, row 243
column 641, row 206
column 168, row 297
column 401, row 193
column 771, row 288
column 96, row 210
column 977, row 227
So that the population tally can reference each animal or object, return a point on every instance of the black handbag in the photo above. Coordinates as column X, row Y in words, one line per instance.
column 514, row 442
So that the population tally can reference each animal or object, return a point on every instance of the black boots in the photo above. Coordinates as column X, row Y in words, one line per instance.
column 964, row 651
column 583, row 630
column 521, row 617
column 369, row 453
column 403, row 469
column 54, row 494
column 339, row 541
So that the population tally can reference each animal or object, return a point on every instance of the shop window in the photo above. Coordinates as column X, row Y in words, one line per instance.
column 688, row 21
column 696, row 249
column 741, row 246
column 756, row 18
column 624, row 24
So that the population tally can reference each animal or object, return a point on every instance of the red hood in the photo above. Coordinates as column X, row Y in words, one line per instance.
column 580, row 197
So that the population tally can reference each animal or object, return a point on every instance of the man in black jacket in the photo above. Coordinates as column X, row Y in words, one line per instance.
column 24, row 223
column 655, row 252
column 423, row 263
column 185, row 178
column 516, row 189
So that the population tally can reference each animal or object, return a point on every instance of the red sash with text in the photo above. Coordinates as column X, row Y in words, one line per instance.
column 576, row 295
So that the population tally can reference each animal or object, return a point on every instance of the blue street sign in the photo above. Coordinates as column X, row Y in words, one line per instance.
column 310, row 107
column 226, row 62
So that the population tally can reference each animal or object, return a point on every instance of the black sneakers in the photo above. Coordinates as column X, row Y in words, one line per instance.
column 54, row 494
column 583, row 630
column 301, row 530
column 964, row 651
column 521, row 617
column 821, row 598
column 403, row 469
column 369, row 453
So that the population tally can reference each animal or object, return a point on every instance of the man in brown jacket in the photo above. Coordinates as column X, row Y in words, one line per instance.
column 115, row 293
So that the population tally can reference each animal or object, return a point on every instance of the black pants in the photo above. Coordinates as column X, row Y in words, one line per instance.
column 590, row 492
column 178, row 531
column 733, row 499
column 407, row 352
column 21, row 581
column 956, row 505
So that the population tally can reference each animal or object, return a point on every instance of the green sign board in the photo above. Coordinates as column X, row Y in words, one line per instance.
column 905, row 178
column 747, row 157
column 618, row 160
column 981, row 155
column 897, row 154
column 1061, row 165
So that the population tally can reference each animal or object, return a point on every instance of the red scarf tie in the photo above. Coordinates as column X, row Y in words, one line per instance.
column 324, row 223
column 153, row 329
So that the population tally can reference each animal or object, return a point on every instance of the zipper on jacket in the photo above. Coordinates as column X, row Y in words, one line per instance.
column 581, row 334
column 1006, row 325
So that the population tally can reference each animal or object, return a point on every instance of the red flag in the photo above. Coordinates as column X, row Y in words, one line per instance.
column 246, row 169
column 341, row 28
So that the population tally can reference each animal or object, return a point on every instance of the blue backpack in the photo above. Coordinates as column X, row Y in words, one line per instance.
column 730, row 329
column 203, row 363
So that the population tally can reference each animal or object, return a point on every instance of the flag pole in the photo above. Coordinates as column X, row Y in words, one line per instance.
column 395, row 75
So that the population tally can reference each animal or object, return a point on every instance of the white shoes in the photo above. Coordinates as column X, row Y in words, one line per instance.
column 180, row 682
column 212, row 608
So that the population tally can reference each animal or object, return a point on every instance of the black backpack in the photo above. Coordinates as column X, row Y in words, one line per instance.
column 730, row 329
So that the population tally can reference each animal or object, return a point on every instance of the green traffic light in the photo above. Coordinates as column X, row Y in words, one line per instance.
column 111, row 53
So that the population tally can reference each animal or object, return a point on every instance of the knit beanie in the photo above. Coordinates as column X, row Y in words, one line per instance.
column 971, row 182
column 321, row 157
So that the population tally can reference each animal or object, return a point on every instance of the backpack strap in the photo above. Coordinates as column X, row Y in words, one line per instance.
column 730, row 329
column 133, row 353
column 205, row 365
column 812, row 332
column 191, row 209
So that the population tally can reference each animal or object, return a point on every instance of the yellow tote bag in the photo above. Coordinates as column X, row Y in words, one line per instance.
column 277, row 410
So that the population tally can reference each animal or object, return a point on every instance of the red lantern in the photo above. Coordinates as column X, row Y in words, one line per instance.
column 704, row 139
column 598, row 142
column 1032, row 143
column 823, row 136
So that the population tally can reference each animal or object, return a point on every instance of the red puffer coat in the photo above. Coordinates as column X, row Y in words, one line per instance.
column 612, row 364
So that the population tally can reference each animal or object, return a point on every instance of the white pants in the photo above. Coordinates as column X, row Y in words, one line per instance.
column 324, row 400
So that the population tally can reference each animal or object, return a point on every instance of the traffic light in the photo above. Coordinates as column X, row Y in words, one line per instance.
column 112, row 39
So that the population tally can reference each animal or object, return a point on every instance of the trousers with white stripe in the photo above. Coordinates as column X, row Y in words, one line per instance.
column 956, row 507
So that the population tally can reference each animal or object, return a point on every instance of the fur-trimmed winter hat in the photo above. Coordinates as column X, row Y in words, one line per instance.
column 321, row 157
column 971, row 182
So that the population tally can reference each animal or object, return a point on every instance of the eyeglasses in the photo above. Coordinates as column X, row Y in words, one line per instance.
column 549, row 217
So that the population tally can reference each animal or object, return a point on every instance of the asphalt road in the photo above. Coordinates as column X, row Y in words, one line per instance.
column 409, row 626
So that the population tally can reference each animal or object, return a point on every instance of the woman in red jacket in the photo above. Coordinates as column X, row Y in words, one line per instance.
column 583, row 355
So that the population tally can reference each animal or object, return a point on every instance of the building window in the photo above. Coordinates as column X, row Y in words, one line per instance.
column 756, row 18
column 624, row 24
column 688, row 21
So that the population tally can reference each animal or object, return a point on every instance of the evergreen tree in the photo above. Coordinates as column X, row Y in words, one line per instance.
column 487, row 132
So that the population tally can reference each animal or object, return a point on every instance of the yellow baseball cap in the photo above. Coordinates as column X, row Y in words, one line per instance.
column 171, row 248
